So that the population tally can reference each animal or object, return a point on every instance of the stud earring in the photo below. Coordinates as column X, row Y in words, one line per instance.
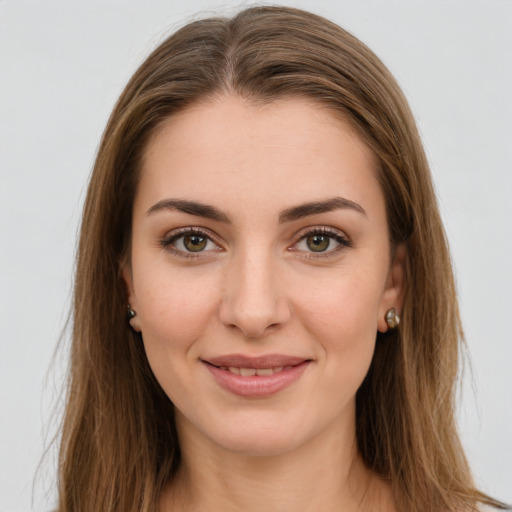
column 130, row 312
column 392, row 318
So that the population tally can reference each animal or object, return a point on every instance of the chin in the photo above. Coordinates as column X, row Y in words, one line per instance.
column 263, row 436
column 247, row 433
column 259, row 444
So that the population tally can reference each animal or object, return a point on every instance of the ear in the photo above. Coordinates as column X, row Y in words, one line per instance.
column 393, row 296
column 127, row 277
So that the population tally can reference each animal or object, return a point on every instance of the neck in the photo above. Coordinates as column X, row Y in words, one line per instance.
column 325, row 474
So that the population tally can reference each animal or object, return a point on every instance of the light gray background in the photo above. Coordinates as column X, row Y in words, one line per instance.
column 62, row 66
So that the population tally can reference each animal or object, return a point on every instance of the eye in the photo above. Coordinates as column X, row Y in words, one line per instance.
column 321, row 241
column 189, row 242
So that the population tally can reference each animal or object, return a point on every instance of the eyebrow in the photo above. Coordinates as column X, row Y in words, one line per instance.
column 288, row 215
column 316, row 207
column 190, row 207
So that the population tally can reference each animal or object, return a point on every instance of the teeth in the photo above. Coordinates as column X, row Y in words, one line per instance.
column 265, row 371
column 249, row 372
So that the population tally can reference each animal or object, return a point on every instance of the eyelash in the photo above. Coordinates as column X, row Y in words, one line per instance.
column 332, row 233
column 169, row 241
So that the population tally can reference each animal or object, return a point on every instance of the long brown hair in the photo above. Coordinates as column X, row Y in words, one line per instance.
column 119, row 444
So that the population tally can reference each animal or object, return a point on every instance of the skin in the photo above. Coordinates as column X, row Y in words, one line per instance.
column 258, row 288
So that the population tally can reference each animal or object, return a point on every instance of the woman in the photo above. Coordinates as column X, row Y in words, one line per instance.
column 262, row 208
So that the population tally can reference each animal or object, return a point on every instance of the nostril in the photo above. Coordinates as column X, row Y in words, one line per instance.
column 253, row 309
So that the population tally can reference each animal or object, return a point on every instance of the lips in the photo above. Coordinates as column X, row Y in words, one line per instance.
column 249, row 372
column 256, row 377
column 267, row 361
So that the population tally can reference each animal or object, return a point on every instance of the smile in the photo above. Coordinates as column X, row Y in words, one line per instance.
column 256, row 377
column 249, row 372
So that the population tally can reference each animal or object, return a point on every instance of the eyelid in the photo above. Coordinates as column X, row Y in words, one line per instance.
column 336, row 234
column 169, row 238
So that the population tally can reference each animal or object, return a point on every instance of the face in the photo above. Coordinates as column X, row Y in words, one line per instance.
column 260, row 271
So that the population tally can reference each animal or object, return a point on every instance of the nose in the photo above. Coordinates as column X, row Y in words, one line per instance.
column 254, row 300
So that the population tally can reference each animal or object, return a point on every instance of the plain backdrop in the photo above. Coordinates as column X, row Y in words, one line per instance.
column 62, row 66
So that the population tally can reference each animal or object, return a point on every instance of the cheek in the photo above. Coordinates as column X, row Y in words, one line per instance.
column 342, row 316
column 348, row 301
column 175, row 311
column 175, row 307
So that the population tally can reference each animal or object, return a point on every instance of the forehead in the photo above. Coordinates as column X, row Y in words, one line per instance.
column 289, row 150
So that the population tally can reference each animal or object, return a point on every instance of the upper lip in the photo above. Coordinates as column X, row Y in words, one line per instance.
column 264, row 361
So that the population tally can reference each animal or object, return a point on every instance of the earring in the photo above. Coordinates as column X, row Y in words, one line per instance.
column 392, row 318
column 131, row 313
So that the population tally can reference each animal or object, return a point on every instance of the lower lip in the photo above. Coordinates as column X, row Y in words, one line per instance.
column 257, row 386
